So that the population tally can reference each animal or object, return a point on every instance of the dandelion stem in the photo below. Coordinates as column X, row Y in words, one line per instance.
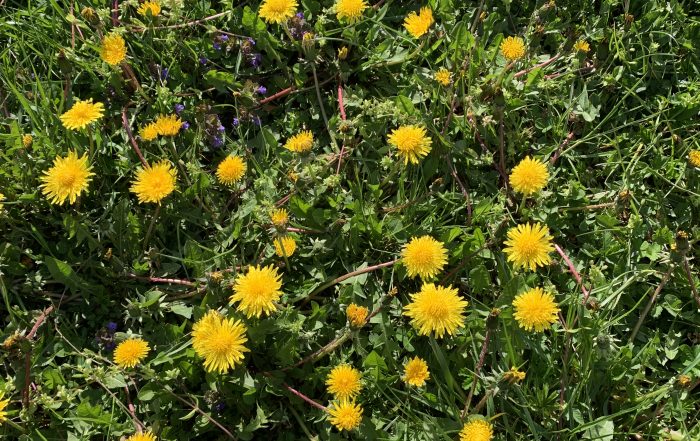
column 134, row 145
column 650, row 303
column 477, row 370
column 92, row 142
column 572, row 270
column 688, row 274
column 348, row 276
column 150, row 227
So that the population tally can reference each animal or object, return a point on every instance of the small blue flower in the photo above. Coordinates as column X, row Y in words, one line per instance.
column 111, row 327
column 217, row 46
column 221, row 128
column 236, row 122
column 223, row 37
column 179, row 108
column 255, row 60
column 185, row 125
column 220, row 406
column 257, row 121
column 217, row 141
column 164, row 74
column 262, row 90
column 300, row 15
column 251, row 41
column 203, row 60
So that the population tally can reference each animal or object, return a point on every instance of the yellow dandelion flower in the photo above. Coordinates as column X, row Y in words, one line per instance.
column 476, row 430
column 113, row 50
column 27, row 140
column 418, row 24
column 81, row 114
column 231, row 170
column 582, row 46
column 149, row 7
column 513, row 48
column 2, row 198
column 357, row 315
column 529, row 176
column 514, row 375
column 3, row 405
column 415, row 372
column 694, row 158
column 285, row 246
column 154, row 183
column 528, row 246
column 67, row 178
column 131, row 352
column 412, row 142
column 343, row 53
column 344, row 382
column 301, row 142
column 443, row 76
column 257, row 291
column 350, row 10
column 424, row 257
column 219, row 341
column 436, row 309
column 683, row 380
column 143, row 436
column 277, row 11
column 535, row 310
column 149, row 132
column 279, row 217
column 168, row 125
column 345, row 415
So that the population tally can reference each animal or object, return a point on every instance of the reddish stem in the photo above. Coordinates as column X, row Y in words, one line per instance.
column 556, row 155
column 573, row 271
column 162, row 280
column 341, row 104
column 543, row 64
column 305, row 398
column 279, row 94
column 125, row 123
column 28, row 357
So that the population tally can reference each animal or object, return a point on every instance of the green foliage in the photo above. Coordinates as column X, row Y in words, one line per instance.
column 615, row 125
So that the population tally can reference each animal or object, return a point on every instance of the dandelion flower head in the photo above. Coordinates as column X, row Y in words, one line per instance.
column 344, row 382
column 424, row 256
column 257, row 291
column 529, row 245
column 582, row 46
column 285, row 246
column 357, row 315
column 154, row 183
column 437, row 309
column 415, row 372
column 149, row 132
column 418, row 24
column 443, row 77
column 168, row 125
column 143, row 436
column 278, row 11
column 513, row 48
column 219, row 341
column 67, row 178
column 345, row 415
column 412, row 142
column 535, row 310
column 149, row 7
column 301, row 142
column 529, row 176
column 350, row 10
column 81, row 114
column 279, row 217
column 131, row 352
column 231, row 170
column 694, row 158
column 476, row 430
column 113, row 50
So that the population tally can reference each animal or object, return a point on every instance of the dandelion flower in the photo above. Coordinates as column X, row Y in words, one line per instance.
column 412, row 142
column 345, row 415
column 535, row 310
column 113, row 50
column 67, row 178
column 528, row 246
column 443, row 76
column 514, row 375
column 344, row 382
column 149, row 132
column 2, row 198
column 415, row 372
column 81, row 114
column 219, row 341
column 257, row 291
column 27, row 140
column 350, row 10
column 149, row 7
column 154, row 183
column 357, row 315
column 529, row 176
column 278, row 11
column 231, row 170
column 513, row 48
column 3, row 405
column 168, row 125
column 301, row 142
column 694, row 158
column 131, row 352
column 436, row 309
column 418, row 24
column 279, row 217
column 683, row 381
column 143, row 436
column 476, row 430
column 582, row 46
column 424, row 257
column 285, row 246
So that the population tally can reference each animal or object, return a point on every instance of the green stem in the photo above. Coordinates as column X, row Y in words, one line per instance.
column 150, row 227
column 92, row 142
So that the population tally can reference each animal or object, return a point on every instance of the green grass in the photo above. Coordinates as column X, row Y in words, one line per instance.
column 615, row 125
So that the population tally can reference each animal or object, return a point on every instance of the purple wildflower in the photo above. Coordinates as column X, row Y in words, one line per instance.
column 179, row 108
column 262, row 90
column 185, row 125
